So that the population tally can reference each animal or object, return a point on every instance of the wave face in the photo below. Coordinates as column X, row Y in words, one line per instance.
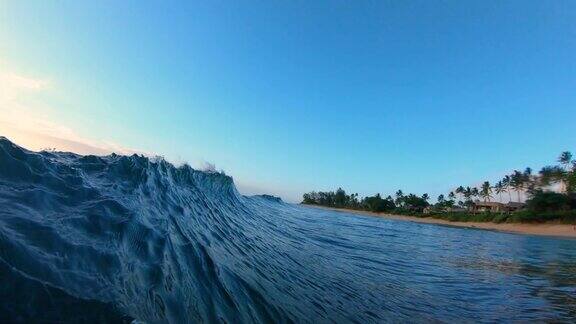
column 122, row 238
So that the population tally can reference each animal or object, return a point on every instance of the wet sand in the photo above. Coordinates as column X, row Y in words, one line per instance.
column 545, row 229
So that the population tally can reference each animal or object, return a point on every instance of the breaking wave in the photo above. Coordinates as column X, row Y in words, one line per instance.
column 123, row 238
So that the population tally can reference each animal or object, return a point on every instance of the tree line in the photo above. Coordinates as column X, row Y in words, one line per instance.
column 554, row 183
column 340, row 199
column 552, row 188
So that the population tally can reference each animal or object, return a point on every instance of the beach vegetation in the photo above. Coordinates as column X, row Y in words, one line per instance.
column 548, row 195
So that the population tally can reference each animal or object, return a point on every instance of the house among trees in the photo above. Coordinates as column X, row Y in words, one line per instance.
column 488, row 206
column 496, row 207
column 539, row 191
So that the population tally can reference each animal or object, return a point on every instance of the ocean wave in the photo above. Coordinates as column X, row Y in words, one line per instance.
column 126, row 232
column 122, row 238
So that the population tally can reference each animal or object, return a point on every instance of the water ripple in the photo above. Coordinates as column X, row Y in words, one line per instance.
column 122, row 238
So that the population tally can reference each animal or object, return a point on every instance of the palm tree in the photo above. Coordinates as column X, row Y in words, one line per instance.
column 571, row 179
column 467, row 194
column 399, row 198
column 550, row 175
column 517, row 182
column 451, row 199
column 499, row 189
column 475, row 192
column 463, row 196
column 532, row 184
column 565, row 159
column 441, row 199
column 506, row 182
column 559, row 173
column 528, row 175
column 425, row 197
column 485, row 191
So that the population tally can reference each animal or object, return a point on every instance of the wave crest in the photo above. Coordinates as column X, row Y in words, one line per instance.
column 130, row 233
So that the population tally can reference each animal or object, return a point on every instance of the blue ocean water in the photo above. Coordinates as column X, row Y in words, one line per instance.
column 127, row 238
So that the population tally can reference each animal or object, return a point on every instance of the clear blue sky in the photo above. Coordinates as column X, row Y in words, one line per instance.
column 292, row 96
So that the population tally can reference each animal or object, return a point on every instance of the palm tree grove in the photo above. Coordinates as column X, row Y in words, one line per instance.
column 521, row 196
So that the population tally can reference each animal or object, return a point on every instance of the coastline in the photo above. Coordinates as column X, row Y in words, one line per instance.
column 543, row 229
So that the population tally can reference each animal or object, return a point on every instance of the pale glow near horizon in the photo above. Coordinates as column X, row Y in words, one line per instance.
column 28, row 125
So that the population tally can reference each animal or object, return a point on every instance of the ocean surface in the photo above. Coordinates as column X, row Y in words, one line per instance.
column 128, row 238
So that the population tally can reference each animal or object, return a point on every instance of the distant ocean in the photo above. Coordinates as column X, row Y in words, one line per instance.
column 128, row 238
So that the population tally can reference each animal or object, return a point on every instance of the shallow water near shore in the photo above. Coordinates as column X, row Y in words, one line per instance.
column 113, row 239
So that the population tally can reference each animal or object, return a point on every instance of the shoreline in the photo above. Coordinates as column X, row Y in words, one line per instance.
column 543, row 229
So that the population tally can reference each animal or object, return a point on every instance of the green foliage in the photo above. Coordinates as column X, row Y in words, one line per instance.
column 571, row 180
column 565, row 173
column 486, row 191
column 337, row 199
column 527, row 216
column 340, row 198
column 469, row 217
column 500, row 218
column 548, row 201
column 524, row 216
column 542, row 205
column 377, row 204
column 413, row 202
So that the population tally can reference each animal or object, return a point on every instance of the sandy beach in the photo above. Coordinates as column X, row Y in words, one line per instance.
column 544, row 229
